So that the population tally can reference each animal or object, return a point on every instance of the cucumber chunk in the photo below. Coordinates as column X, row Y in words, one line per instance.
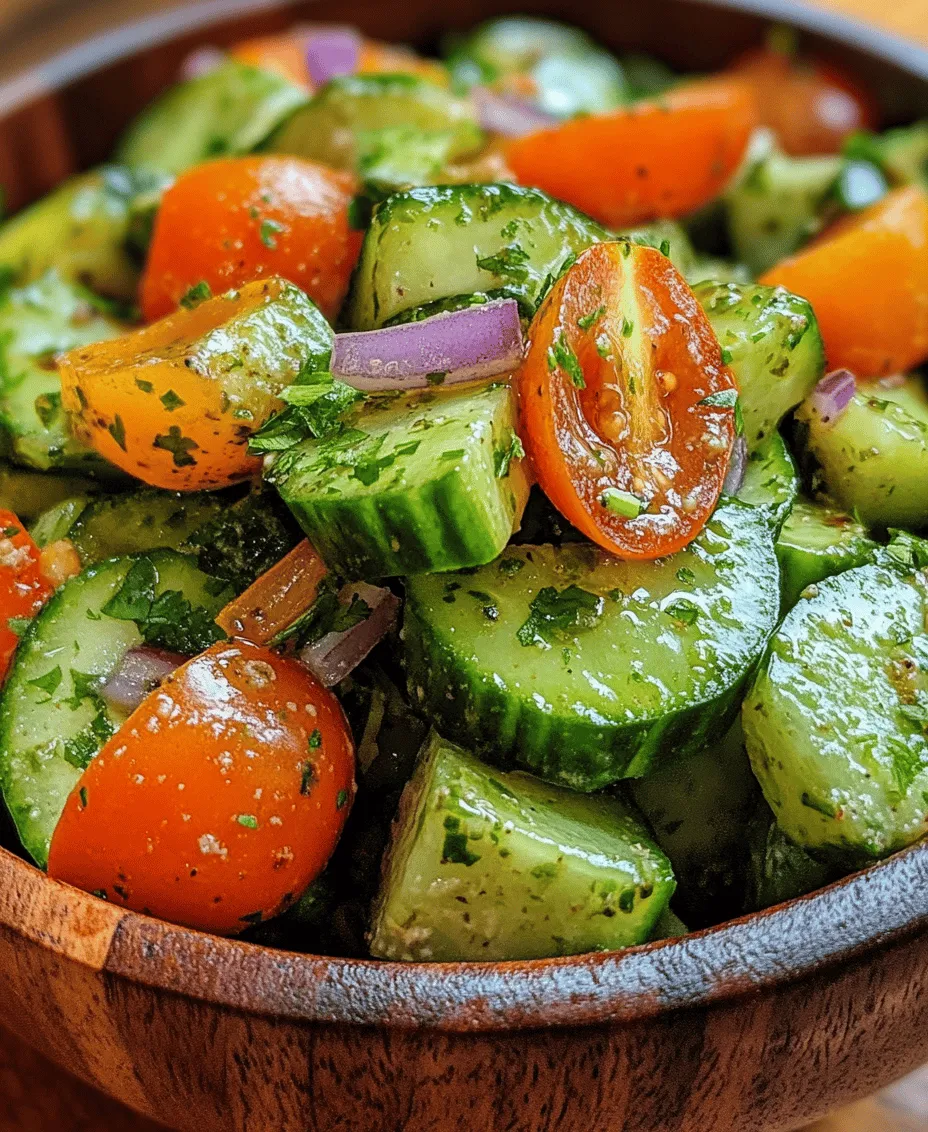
column 816, row 542
column 485, row 865
column 445, row 240
column 353, row 116
column 421, row 483
column 57, row 521
column 771, row 481
column 52, row 718
column 569, row 72
column 774, row 347
column 37, row 322
column 778, row 206
column 699, row 808
column 901, row 154
column 246, row 539
column 835, row 721
column 141, row 520
column 873, row 458
column 81, row 229
column 229, row 111
column 30, row 493
column 586, row 668
column 778, row 870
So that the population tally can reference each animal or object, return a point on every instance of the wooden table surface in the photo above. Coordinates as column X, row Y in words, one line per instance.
column 36, row 1096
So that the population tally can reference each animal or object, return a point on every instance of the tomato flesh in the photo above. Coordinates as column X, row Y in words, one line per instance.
column 627, row 408
column 23, row 588
column 220, row 799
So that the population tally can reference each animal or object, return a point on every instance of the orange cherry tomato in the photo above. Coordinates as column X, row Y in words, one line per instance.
column 230, row 221
column 627, row 408
column 286, row 54
column 164, row 403
column 220, row 799
column 812, row 106
column 665, row 157
column 867, row 279
column 23, row 587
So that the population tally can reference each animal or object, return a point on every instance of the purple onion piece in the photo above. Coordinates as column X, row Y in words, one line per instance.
column 737, row 466
column 465, row 345
column 201, row 62
column 140, row 672
column 332, row 51
column 833, row 394
column 336, row 655
column 509, row 115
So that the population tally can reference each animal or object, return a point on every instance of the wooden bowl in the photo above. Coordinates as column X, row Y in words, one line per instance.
column 763, row 1023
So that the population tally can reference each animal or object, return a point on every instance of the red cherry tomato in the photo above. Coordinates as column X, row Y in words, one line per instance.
column 220, row 799
column 23, row 587
column 231, row 221
column 626, row 405
column 811, row 105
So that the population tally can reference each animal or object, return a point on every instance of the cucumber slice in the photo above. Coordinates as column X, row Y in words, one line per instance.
column 491, row 866
column 52, row 719
column 246, row 539
column 835, row 721
column 421, row 483
column 445, row 240
column 351, row 115
column 229, row 111
column 873, row 459
column 57, row 521
column 141, row 520
column 778, row 206
column 816, row 542
column 30, row 493
column 587, row 669
column 778, row 870
column 773, row 345
column 771, row 481
column 81, row 229
column 569, row 73
column 699, row 808
column 36, row 323
column 902, row 154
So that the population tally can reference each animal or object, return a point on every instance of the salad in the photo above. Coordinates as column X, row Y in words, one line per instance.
column 469, row 508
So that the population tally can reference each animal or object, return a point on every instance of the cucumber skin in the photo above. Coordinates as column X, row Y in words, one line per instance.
column 828, row 758
column 805, row 560
column 873, row 459
column 778, row 870
column 460, row 518
column 423, row 245
column 550, row 873
column 780, row 369
column 29, row 493
column 578, row 748
column 235, row 105
column 771, row 481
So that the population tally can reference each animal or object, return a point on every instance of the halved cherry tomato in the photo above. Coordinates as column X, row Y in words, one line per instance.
column 230, row 221
column 627, row 408
column 23, row 587
column 664, row 157
column 164, row 403
column 811, row 105
column 867, row 280
column 286, row 54
column 220, row 799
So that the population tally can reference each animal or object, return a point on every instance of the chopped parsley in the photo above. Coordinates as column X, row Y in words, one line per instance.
column 315, row 740
column 47, row 683
column 502, row 457
column 683, row 611
column 308, row 778
column 341, row 799
column 509, row 262
column 456, row 850
column 553, row 613
column 249, row 821
column 171, row 401
column 316, row 406
column 117, row 431
column 587, row 320
column 178, row 445
column 560, row 355
column 268, row 233
column 197, row 294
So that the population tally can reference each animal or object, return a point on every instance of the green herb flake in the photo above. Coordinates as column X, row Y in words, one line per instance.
column 555, row 612
column 268, row 233
column 315, row 740
column 509, row 262
column 683, row 611
column 512, row 449
column 47, row 683
column 308, row 778
column 145, row 386
column 341, row 799
column 820, row 805
column 561, row 355
column 117, row 431
column 178, row 445
column 171, row 401
column 686, row 576
column 197, row 294
column 456, row 850
column 510, row 566
column 723, row 399
column 82, row 794
column 249, row 821
column 436, row 378
column 12, row 532
column 628, row 328
column 587, row 320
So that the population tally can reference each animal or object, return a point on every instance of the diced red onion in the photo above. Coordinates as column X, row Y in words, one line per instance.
column 465, row 345
column 737, row 466
column 335, row 655
column 509, row 115
column 332, row 51
column 201, row 62
column 140, row 672
column 833, row 394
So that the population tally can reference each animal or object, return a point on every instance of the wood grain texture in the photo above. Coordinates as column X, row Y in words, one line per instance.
column 758, row 1026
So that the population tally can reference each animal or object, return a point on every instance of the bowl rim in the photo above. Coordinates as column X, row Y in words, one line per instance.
column 883, row 905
